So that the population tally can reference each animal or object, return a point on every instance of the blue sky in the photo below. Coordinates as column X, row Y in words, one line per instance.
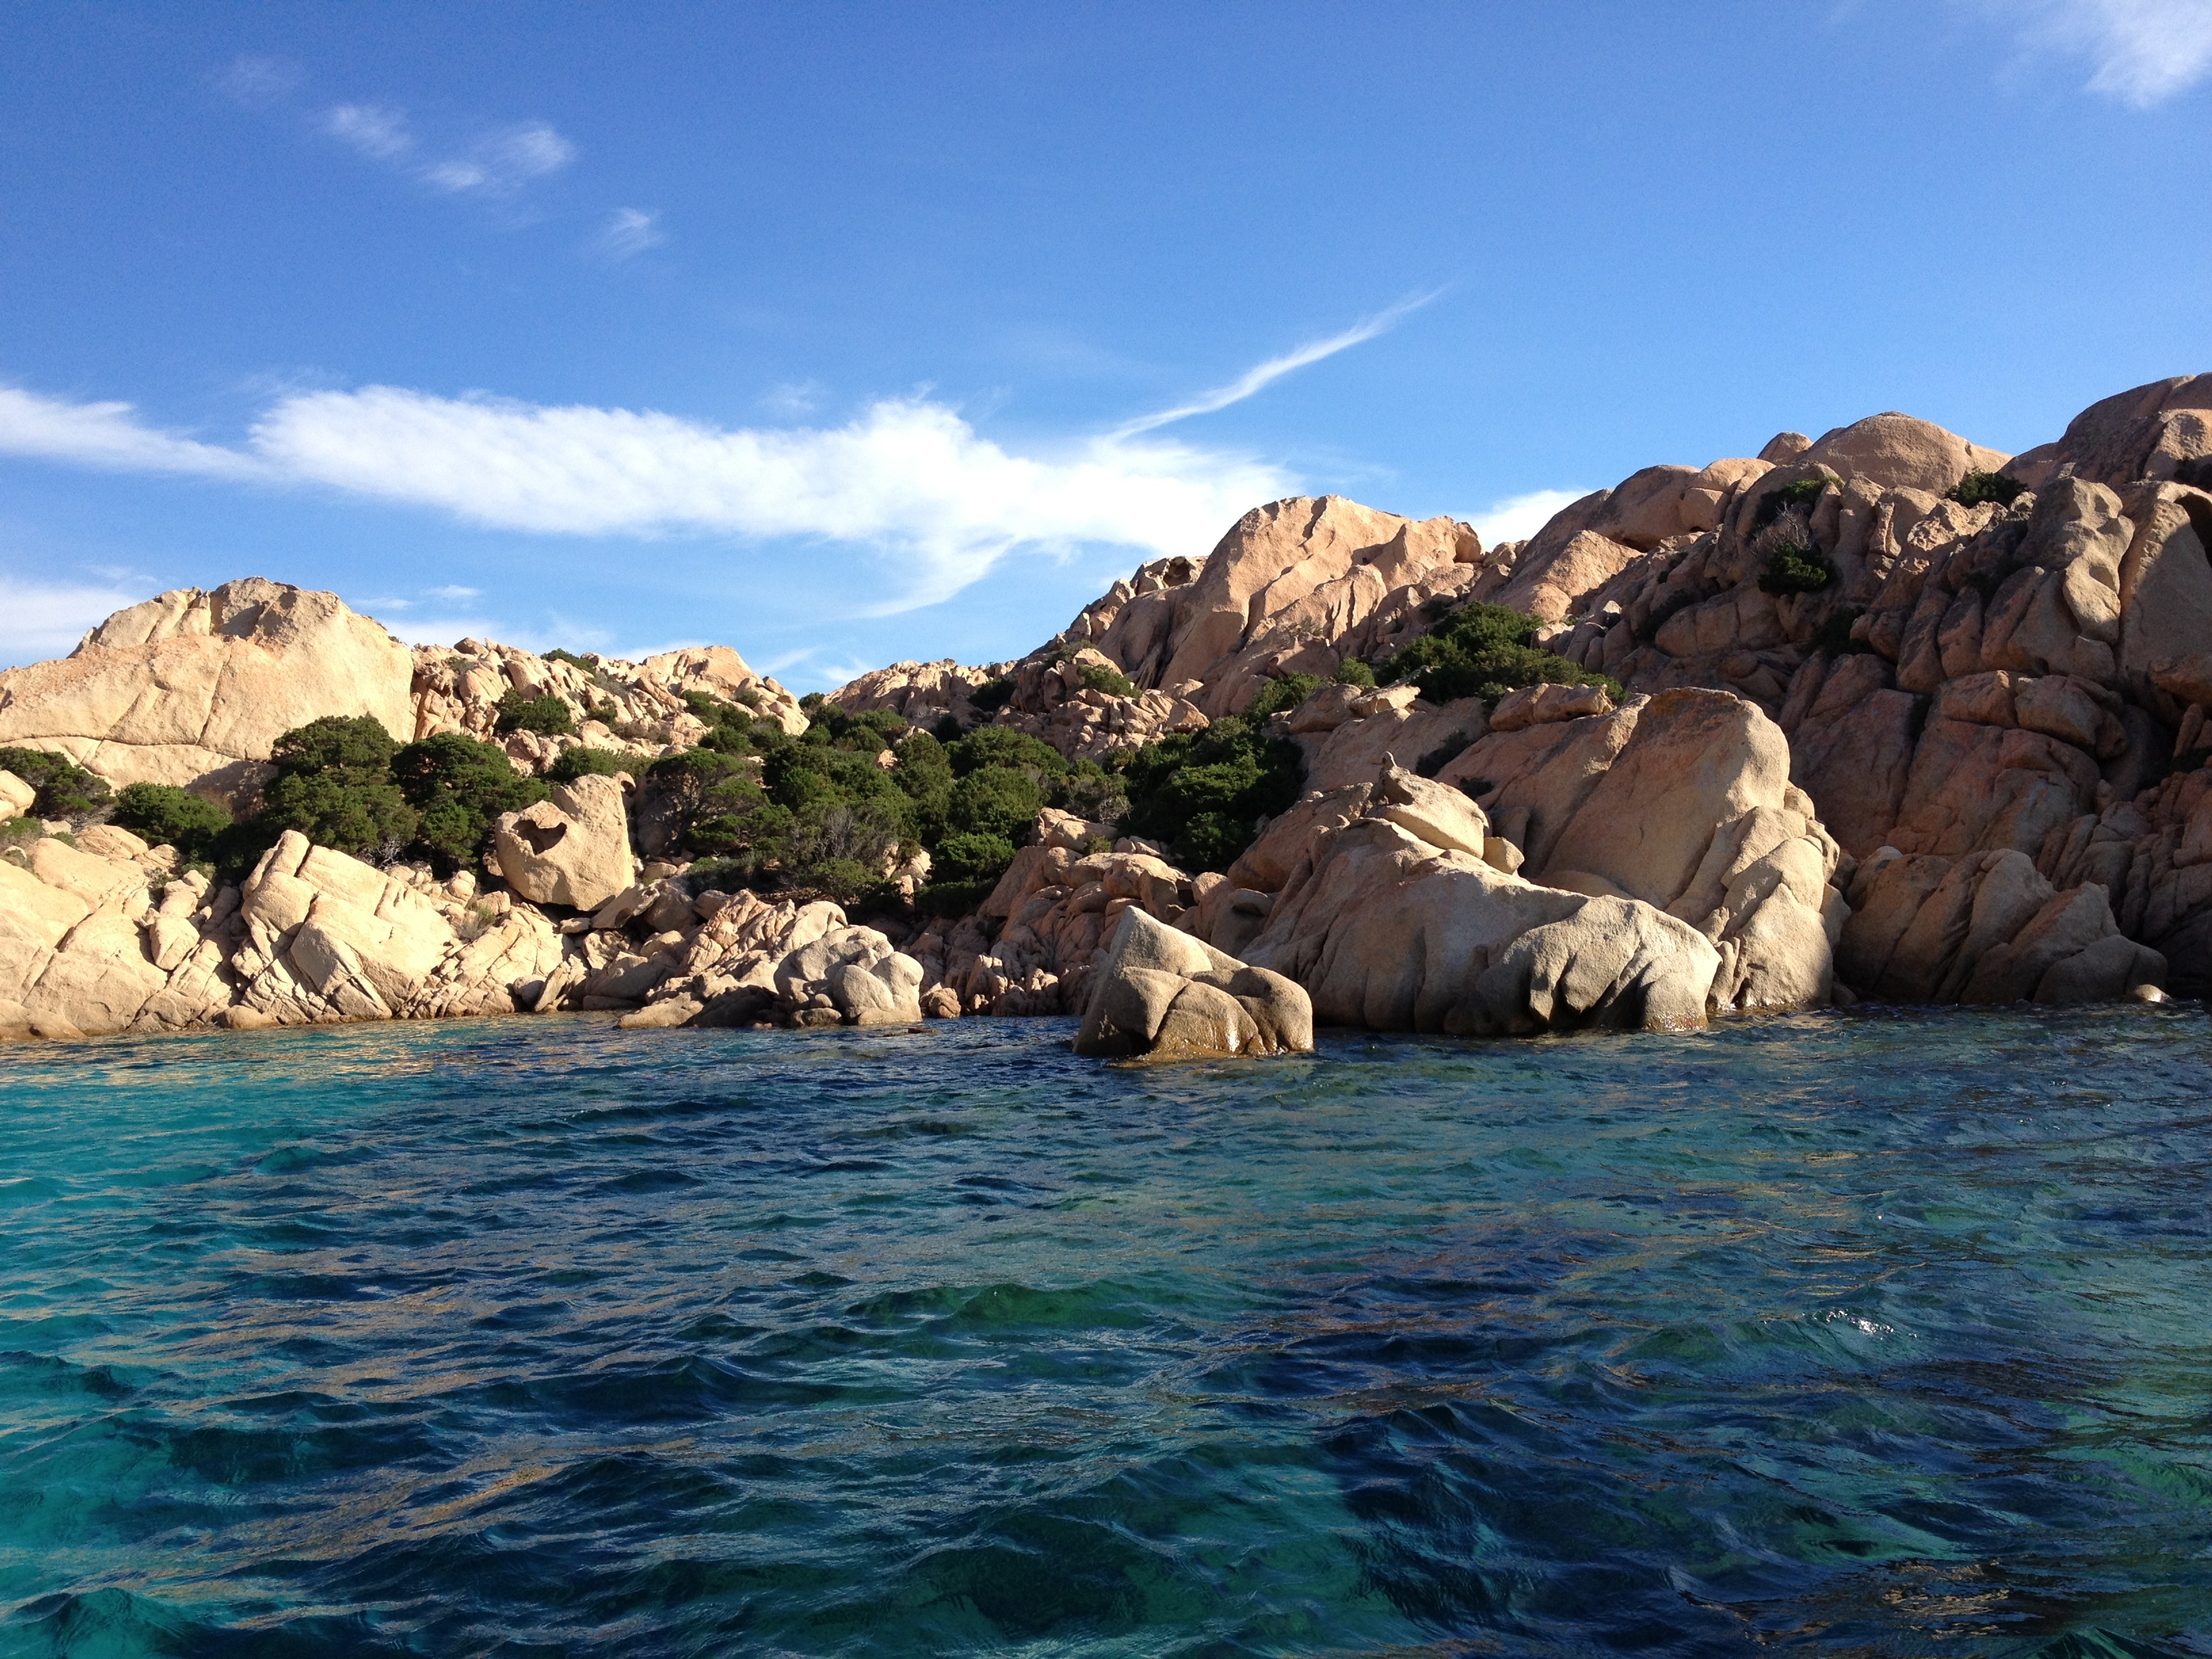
column 844, row 333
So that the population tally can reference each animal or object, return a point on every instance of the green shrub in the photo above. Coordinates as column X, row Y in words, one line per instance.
column 1280, row 696
column 161, row 813
column 925, row 774
column 65, row 790
column 1202, row 793
column 1484, row 651
column 1352, row 671
column 557, row 654
column 334, row 785
column 988, row 698
column 1978, row 487
column 456, row 787
column 1098, row 677
column 1794, row 570
column 573, row 763
column 996, row 800
column 1771, row 506
column 548, row 717
column 967, row 857
column 13, row 832
column 843, row 881
column 1001, row 745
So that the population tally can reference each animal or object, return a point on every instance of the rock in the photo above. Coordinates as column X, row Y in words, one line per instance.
column 1541, row 705
column 2145, row 433
column 1984, row 928
column 17, row 797
column 573, row 849
column 859, row 975
column 194, row 687
column 1166, row 994
column 1388, row 933
column 1896, row 452
column 1440, row 815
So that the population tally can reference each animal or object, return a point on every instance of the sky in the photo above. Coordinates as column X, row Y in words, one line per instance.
column 847, row 333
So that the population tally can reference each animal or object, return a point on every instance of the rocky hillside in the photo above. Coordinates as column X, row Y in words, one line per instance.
column 1882, row 715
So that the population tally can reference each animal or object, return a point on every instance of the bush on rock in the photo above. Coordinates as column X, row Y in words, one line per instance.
column 1484, row 651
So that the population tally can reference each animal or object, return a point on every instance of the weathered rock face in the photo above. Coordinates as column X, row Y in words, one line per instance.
column 1389, row 933
column 2146, row 433
column 1168, row 996
column 194, row 687
column 626, row 707
column 1294, row 588
column 573, row 849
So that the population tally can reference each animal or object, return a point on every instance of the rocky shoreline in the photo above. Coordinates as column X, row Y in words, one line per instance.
column 1882, row 716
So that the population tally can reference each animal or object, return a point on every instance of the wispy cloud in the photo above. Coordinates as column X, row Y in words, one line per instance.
column 1519, row 517
column 1262, row 375
column 2140, row 51
column 454, row 593
column 377, row 132
column 109, row 436
column 629, row 232
column 42, row 619
column 503, row 162
column 909, row 479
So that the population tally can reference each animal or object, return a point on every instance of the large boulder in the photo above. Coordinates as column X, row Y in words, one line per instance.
column 573, row 849
column 2145, row 433
column 1389, row 933
column 194, row 688
column 1166, row 994
column 1900, row 452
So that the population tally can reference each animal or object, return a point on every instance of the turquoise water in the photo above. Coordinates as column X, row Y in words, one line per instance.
column 1874, row 1333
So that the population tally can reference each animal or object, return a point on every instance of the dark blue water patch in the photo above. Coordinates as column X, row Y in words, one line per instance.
column 1879, row 1333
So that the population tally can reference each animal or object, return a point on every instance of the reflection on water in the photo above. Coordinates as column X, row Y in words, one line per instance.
column 1842, row 1334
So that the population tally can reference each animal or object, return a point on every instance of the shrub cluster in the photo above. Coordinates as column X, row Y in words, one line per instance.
column 547, row 716
column 1791, row 568
column 1114, row 683
column 1484, row 651
column 1978, row 487
column 65, row 790
column 1201, row 794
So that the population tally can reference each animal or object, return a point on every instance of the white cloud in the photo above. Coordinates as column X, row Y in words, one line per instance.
column 1519, row 517
column 454, row 593
column 39, row 620
column 794, row 399
column 108, row 436
column 629, row 232
column 504, row 162
column 377, row 132
column 2141, row 52
column 910, row 479
column 1265, row 374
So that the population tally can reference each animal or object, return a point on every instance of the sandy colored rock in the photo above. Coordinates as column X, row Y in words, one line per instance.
column 1166, row 995
column 194, row 687
column 1387, row 934
column 1898, row 452
column 573, row 849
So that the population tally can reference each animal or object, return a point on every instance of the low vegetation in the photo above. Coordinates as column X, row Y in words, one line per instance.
column 1976, row 487
column 1202, row 794
column 65, row 790
column 1793, row 568
column 1484, row 651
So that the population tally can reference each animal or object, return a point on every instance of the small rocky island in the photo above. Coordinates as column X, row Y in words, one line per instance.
column 1882, row 716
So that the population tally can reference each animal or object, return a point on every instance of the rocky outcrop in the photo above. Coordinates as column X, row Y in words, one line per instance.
column 571, row 850
column 1165, row 995
column 194, row 687
column 1294, row 588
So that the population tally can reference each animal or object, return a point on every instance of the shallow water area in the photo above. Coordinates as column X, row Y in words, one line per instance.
column 1883, row 1333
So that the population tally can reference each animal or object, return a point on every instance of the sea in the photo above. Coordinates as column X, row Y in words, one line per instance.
column 1881, row 1332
